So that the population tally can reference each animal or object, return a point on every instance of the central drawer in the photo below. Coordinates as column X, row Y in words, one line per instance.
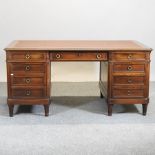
column 78, row 56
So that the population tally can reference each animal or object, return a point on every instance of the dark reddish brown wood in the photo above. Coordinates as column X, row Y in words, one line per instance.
column 128, row 67
column 26, row 56
column 128, row 78
column 129, row 56
column 28, row 92
column 127, row 93
column 28, row 74
column 28, row 81
column 78, row 56
column 27, row 67
column 124, row 70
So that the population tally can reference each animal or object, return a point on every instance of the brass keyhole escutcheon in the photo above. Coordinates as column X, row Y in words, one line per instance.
column 129, row 92
column 129, row 81
column 58, row 56
column 98, row 56
column 28, row 93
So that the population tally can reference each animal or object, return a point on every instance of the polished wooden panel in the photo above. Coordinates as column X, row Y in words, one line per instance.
column 27, row 67
column 129, row 56
column 26, row 56
column 27, row 92
column 17, row 80
column 128, row 67
column 124, row 70
column 78, row 56
column 127, row 93
column 129, row 80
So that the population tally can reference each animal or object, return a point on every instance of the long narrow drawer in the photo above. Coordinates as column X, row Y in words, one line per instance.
column 120, row 80
column 118, row 67
column 27, row 67
column 28, row 92
column 128, row 56
column 127, row 93
column 26, row 56
column 79, row 56
column 28, row 81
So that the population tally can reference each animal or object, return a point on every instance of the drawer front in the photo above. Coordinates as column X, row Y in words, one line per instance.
column 80, row 56
column 129, row 56
column 40, row 81
column 28, row 92
column 26, row 56
column 138, row 80
column 127, row 93
column 129, row 67
column 27, row 67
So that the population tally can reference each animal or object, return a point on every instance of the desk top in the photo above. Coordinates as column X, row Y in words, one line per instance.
column 78, row 45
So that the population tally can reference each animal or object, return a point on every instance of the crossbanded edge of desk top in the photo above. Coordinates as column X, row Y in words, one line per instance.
column 76, row 45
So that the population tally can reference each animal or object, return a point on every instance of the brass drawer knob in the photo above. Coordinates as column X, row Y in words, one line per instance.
column 27, row 56
column 98, row 56
column 28, row 93
column 58, row 56
column 27, row 68
column 129, row 81
column 27, row 80
column 130, row 68
column 129, row 56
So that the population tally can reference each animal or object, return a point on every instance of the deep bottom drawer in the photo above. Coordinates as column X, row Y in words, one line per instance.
column 28, row 92
column 127, row 93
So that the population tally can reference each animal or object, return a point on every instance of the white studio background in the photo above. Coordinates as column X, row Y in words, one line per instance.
column 76, row 20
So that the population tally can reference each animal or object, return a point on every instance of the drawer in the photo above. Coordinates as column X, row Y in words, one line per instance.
column 128, row 67
column 28, row 92
column 138, row 80
column 128, row 56
column 127, row 93
column 40, row 81
column 26, row 56
column 80, row 56
column 27, row 67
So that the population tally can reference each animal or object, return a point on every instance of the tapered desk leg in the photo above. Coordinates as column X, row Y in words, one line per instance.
column 110, row 109
column 144, row 109
column 11, row 107
column 46, row 108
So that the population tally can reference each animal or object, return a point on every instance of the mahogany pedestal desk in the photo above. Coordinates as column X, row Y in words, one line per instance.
column 124, row 70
